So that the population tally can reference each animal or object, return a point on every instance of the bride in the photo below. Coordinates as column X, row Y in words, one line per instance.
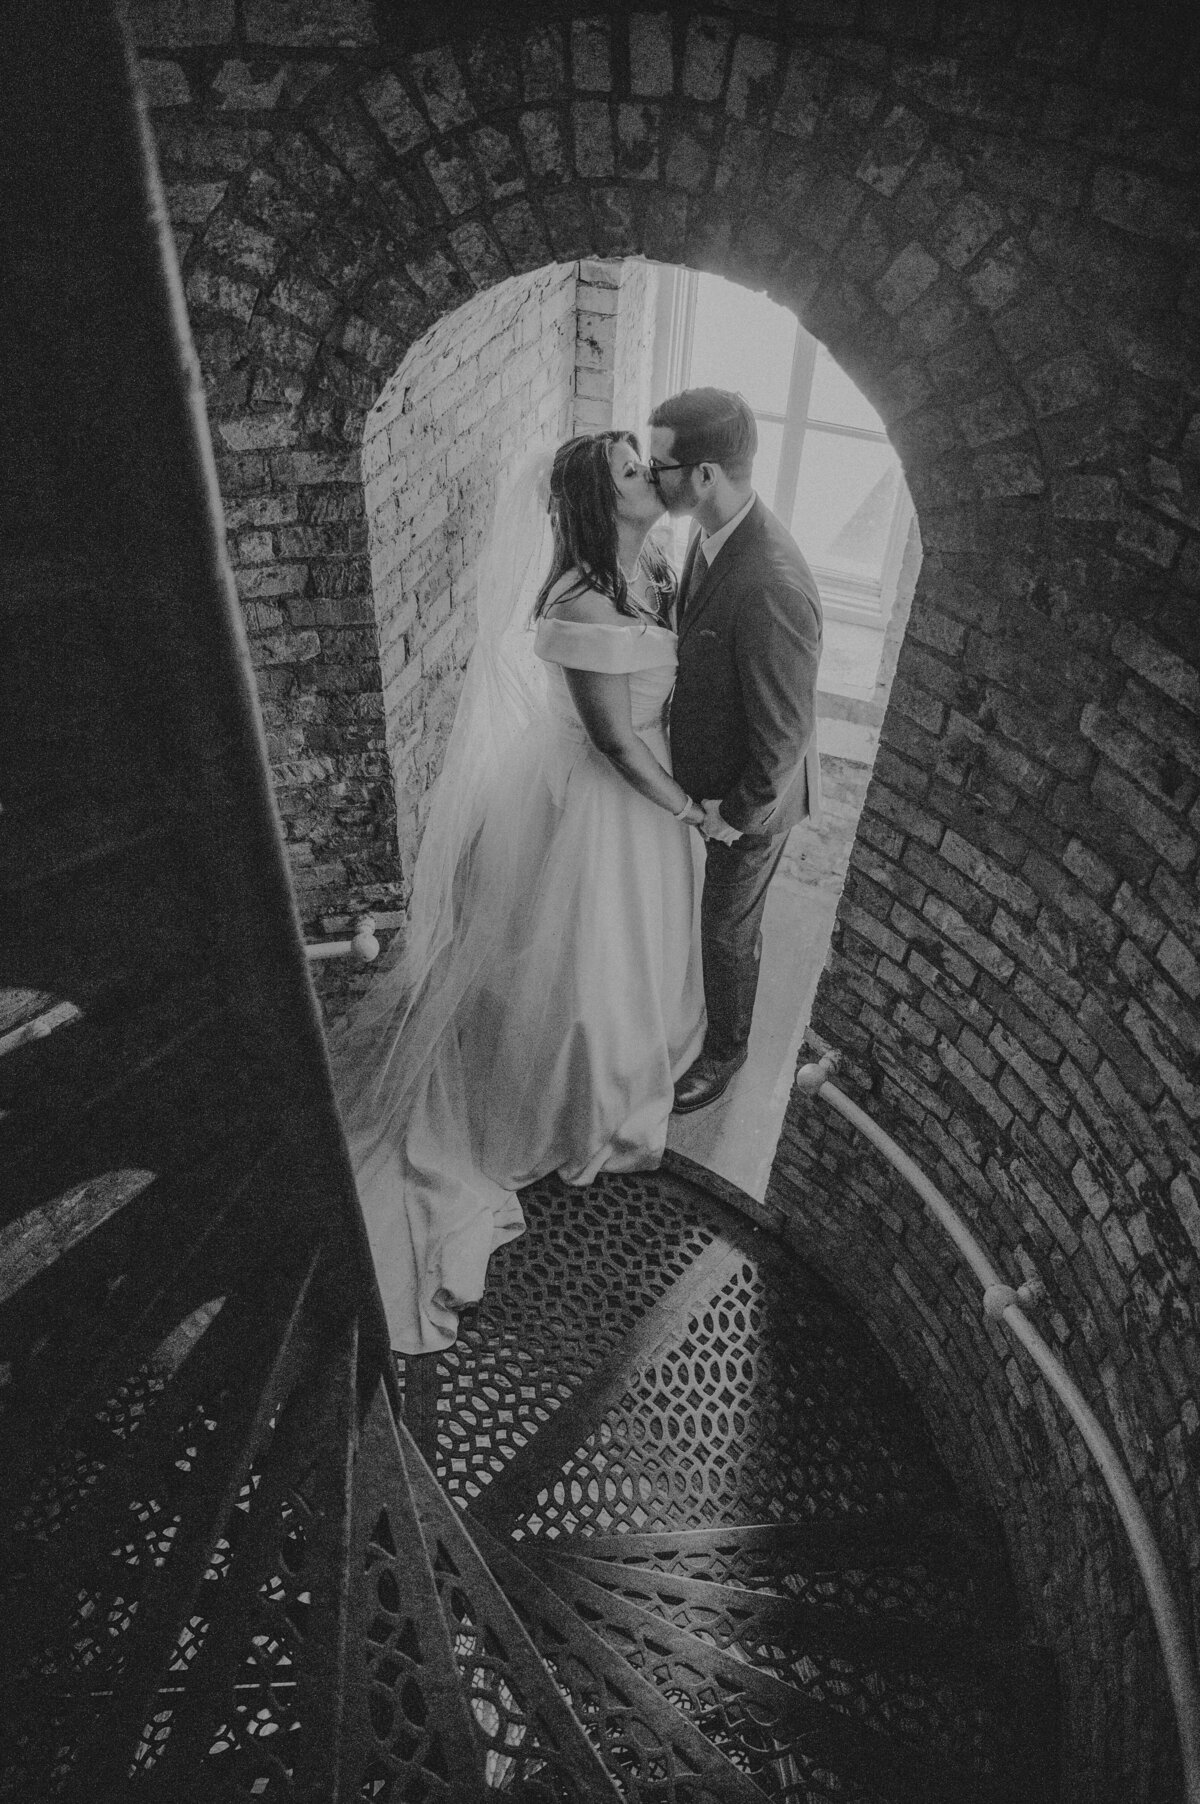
column 550, row 990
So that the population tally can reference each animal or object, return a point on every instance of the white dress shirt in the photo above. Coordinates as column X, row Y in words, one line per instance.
column 711, row 543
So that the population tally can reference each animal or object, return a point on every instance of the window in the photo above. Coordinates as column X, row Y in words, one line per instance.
column 824, row 463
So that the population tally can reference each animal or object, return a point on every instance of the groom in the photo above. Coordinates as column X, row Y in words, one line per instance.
column 744, row 710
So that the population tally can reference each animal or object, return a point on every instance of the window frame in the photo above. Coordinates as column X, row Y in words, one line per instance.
column 856, row 600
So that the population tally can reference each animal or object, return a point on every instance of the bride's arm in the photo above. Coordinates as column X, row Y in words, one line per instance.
column 604, row 707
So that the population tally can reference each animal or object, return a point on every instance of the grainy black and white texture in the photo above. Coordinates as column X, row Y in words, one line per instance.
column 988, row 212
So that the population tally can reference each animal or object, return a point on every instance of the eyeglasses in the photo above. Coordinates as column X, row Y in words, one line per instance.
column 657, row 469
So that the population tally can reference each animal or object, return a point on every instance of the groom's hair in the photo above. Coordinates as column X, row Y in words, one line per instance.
column 711, row 426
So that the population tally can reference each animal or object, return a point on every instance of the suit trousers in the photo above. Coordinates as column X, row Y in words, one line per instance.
column 731, row 911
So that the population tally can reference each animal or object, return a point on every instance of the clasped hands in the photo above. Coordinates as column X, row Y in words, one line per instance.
column 713, row 826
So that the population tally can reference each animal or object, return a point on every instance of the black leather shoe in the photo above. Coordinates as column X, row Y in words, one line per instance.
column 704, row 1081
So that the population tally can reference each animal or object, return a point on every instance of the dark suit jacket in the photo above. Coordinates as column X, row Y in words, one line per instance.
column 744, row 710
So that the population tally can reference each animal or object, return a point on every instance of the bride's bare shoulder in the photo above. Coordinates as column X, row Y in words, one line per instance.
column 573, row 599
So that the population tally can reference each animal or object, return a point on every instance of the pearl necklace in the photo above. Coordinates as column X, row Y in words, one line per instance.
column 644, row 598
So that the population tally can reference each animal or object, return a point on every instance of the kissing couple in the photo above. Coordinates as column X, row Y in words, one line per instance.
column 569, row 976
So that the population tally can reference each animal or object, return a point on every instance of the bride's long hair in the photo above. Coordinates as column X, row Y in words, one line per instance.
column 583, row 512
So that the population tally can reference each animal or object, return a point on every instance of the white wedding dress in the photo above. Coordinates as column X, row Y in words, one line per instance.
column 583, row 1006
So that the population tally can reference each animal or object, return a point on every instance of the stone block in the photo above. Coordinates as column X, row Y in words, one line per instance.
column 637, row 142
column 908, row 276
column 454, row 178
column 163, row 83
column 388, row 102
column 1005, row 473
column 977, row 1087
column 518, row 231
column 350, row 135
column 831, row 206
column 591, row 56
column 751, row 89
column 1086, row 498
column 739, row 167
column 859, row 921
column 999, row 414
column 893, row 152
column 651, row 55
column 210, row 291
column 190, row 203
column 805, row 85
column 241, row 90
column 1037, row 326
column 244, row 246
column 544, row 139
column 310, row 24
column 259, row 431
column 687, row 161
column 974, row 905
column 479, row 255
column 1161, row 667
column 178, row 24
column 439, row 81
column 543, row 64
column 999, row 277
column 904, row 389
column 935, row 318
column 987, row 874
column 847, row 116
column 592, row 124
column 259, row 583
column 1150, row 988
column 982, row 951
column 932, row 184
column 970, row 224
column 1063, row 382
column 706, row 57
column 665, row 226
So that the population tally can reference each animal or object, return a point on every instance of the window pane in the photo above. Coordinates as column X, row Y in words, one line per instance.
column 766, row 462
column 835, row 398
column 742, row 341
column 845, row 502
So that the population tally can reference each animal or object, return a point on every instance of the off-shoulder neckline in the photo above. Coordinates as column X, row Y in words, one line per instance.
column 609, row 626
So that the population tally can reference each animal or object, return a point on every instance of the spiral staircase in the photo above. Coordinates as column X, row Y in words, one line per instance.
column 662, row 1526
column 680, row 1538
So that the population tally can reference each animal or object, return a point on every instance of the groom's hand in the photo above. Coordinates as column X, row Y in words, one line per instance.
column 714, row 827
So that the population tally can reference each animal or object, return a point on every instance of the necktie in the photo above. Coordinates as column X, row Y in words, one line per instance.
column 694, row 567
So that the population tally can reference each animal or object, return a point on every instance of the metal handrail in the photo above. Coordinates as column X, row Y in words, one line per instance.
column 1002, row 1303
column 364, row 947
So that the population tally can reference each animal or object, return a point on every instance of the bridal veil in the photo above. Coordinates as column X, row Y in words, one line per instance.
column 466, row 877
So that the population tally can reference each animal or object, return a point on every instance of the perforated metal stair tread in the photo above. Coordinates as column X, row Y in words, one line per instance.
column 746, row 1392
column 774, row 1723
column 934, row 1565
column 744, row 1620
column 655, row 1748
column 534, row 1745
column 739, row 1500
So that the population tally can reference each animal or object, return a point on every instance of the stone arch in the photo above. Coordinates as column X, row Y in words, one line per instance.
column 988, row 214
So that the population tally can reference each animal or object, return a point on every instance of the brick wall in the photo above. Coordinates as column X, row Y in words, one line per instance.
column 614, row 342
column 989, row 215
column 492, row 380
